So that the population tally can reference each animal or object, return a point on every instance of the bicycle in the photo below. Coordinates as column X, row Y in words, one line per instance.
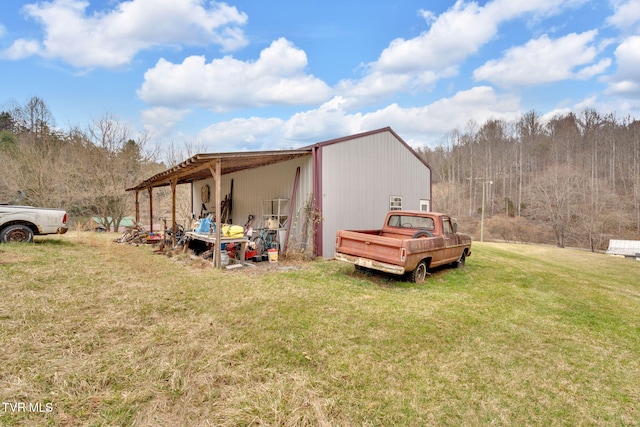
column 266, row 239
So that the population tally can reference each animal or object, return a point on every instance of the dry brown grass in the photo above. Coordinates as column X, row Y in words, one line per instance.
column 116, row 335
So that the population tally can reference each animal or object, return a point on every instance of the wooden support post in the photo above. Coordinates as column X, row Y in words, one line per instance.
column 216, row 171
column 174, row 228
column 137, row 208
column 218, row 216
column 150, row 190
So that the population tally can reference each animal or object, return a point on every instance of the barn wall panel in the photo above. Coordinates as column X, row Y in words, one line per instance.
column 358, row 178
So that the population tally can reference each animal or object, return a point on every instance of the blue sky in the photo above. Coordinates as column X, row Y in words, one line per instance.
column 253, row 75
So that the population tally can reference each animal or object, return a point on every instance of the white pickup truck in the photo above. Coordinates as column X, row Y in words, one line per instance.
column 21, row 223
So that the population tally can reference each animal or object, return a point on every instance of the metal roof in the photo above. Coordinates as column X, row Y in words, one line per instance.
column 624, row 247
column 198, row 167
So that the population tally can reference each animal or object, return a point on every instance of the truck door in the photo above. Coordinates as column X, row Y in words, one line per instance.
column 450, row 240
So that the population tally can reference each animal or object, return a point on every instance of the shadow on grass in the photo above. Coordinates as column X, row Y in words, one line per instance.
column 51, row 242
column 381, row 278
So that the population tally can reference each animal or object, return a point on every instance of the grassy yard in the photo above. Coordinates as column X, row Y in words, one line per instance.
column 95, row 333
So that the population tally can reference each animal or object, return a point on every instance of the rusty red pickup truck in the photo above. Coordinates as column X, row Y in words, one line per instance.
column 409, row 243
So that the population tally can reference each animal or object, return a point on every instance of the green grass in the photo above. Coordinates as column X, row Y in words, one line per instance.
column 116, row 335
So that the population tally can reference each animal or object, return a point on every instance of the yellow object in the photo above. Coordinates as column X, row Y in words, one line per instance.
column 273, row 255
column 232, row 230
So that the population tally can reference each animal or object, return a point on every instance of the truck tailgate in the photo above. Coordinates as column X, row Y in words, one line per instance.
column 369, row 245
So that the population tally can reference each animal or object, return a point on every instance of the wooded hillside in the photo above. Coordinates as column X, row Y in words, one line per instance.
column 84, row 171
column 572, row 180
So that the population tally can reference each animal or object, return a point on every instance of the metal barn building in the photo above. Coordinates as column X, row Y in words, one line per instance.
column 313, row 191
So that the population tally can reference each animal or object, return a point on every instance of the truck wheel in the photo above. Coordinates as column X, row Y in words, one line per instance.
column 420, row 273
column 460, row 262
column 364, row 270
column 16, row 233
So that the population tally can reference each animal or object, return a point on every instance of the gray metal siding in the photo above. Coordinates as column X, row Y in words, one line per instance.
column 358, row 177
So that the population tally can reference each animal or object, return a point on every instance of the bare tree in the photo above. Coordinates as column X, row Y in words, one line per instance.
column 34, row 118
column 113, row 159
column 555, row 199
column 530, row 130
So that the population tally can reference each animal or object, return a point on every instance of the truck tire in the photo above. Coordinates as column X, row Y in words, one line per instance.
column 361, row 269
column 16, row 233
column 460, row 262
column 420, row 273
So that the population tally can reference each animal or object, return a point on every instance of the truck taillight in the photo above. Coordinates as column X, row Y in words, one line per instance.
column 337, row 241
column 403, row 254
column 64, row 219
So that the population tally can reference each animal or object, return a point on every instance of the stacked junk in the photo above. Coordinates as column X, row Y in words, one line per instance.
column 261, row 245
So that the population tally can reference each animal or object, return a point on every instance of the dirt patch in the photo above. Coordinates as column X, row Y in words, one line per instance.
column 265, row 266
column 6, row 258
column 249, row 267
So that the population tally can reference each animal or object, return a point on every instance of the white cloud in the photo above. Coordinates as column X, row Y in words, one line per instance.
column 479, row 103
column 428, row 122
column 112, row 38
column 452, row 37
column 417, row 125
column 375, row 86
column 277, row 78
column 545, row 60
column 329, row 120
column 21, row 49
column 626, row 15
column 590, row 102
column 160, row 121
column 420, row 62
column 594, row 70
column 458, row 33
column 241, row 134
column 626, row 81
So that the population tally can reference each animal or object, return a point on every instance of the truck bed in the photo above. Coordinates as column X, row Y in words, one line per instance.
column 389, row 248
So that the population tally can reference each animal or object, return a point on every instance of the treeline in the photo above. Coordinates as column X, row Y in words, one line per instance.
column 84, row 171
column 573, row 179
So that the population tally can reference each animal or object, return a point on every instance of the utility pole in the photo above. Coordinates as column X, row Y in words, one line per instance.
column 484, row 190
column 485, row 182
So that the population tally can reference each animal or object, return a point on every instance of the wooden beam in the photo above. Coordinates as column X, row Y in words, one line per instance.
column 212, row 169
column 195, row 168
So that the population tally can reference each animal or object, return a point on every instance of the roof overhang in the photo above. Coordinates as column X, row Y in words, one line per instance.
column 198, row 167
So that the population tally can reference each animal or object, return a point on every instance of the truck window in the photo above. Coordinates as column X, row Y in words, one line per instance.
column 406, row 221
column 446, row 225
